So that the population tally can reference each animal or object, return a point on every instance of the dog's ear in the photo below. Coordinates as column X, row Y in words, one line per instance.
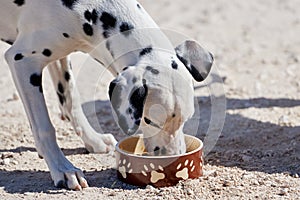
column 128, row 105
column 197, row 60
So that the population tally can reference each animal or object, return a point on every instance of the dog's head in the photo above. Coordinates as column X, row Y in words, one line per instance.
column 157, row 100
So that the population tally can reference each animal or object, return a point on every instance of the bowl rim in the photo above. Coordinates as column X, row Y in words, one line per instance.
column 118, row 149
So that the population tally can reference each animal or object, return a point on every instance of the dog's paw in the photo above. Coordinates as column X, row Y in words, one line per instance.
column 71, row 179
column 64, row 173
column 101, row 143
column 156, row 173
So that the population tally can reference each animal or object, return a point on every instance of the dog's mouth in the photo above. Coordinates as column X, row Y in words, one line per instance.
column 161, row 147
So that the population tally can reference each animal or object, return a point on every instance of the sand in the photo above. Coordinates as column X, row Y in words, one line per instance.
column 256, row 45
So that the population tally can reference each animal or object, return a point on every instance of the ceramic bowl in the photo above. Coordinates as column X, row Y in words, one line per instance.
column 159, row 171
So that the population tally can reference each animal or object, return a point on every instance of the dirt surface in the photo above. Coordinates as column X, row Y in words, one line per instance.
column 257, row 52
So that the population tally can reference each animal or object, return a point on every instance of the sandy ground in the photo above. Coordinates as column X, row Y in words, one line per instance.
column 257, row 51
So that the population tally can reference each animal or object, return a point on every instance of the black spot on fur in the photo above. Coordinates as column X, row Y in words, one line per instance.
column 109, row 48
column 149, row 68
column 144, row 81
column 36, row 81
column 61, row 98
column 155, row 71
column 134, row 80
column 108, row 20
column 18, row 56
column 174, row 64
column 137, row 100
column 126, row 28
column 60, row 93
column 112, row 86
column 60, row 88
column 88, row 15
column 152, row 70
column 106, row 34
column 19, row 2
column 91, row 16
column 94, row 16
column 146, row 50
column 47, row 52
column 88, row 29
column 7, row 41
column 139, row 6
column 66, row 35
column 137, row 122
column 125, row 68
column 33, row 52
column 67, row 76
column 107, row 44
column 69, row 3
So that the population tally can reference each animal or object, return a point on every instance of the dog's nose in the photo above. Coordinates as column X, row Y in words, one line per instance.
column 159, row 151
column 156, row 150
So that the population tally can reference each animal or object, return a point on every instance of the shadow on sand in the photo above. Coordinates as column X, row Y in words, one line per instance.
column 245, row 143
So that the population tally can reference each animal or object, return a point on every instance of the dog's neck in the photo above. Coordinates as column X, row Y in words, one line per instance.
column 126, row 49
column 146, row 46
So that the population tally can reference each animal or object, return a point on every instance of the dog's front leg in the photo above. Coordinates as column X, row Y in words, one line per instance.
column 26, row 68
column 70, row 106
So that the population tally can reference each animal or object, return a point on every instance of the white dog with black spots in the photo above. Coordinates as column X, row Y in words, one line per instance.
column 152, row 92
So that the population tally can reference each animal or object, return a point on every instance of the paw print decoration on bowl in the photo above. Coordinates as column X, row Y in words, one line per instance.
column 159, row 171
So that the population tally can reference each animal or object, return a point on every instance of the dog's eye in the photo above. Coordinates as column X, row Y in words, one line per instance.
column 149, row 122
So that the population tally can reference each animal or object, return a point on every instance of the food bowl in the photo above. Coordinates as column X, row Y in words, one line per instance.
column 159, row 171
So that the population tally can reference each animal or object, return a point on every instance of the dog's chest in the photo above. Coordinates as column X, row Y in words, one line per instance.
column 9, row 15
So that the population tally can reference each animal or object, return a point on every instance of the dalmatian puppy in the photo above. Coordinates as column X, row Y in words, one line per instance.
column 152, row 92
